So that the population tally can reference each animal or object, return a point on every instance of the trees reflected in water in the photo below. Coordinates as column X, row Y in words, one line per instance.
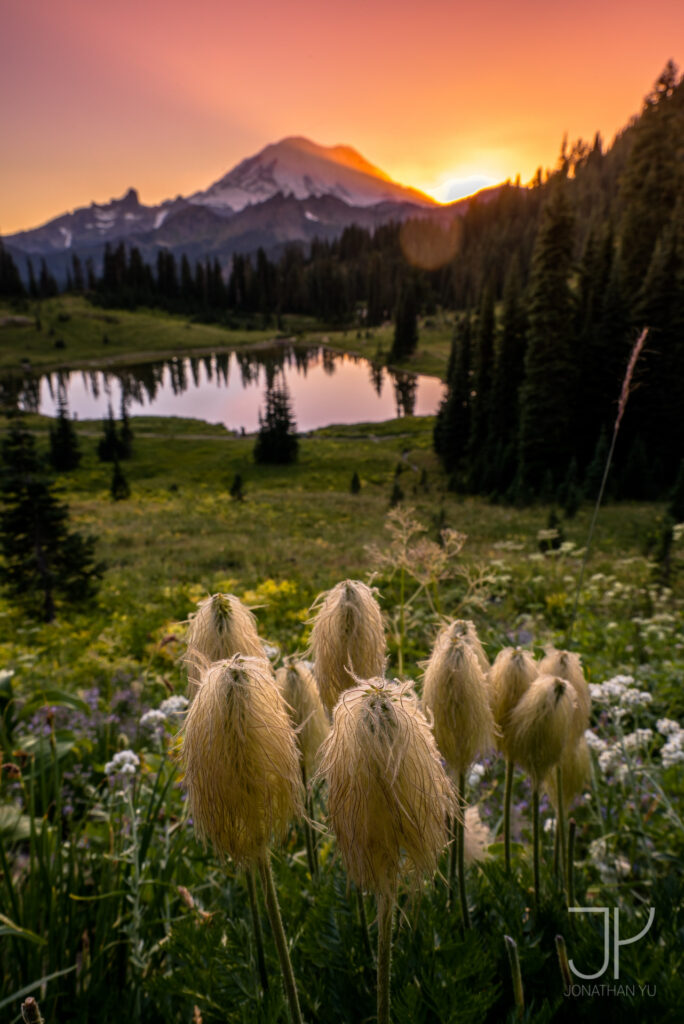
column 141, row 384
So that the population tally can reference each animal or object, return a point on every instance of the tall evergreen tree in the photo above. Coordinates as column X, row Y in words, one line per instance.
column 11, row 285
column 509, row 368
column 482, row 358
column 277, row 440
column 452, row 426
column 42, row 559
column 65, row 453
column 547, row 397
column 405, row 324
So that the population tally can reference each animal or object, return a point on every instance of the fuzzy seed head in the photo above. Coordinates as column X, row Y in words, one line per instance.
column 540, row 725
column 509, row 678
column 298, row 687
column 347, row 639
column 240, row 759
column 477, row 836
column 455, row 693
column 567, row 665
column 220, row 628
column 389, row 795
column 465, row 629
column 575, row 773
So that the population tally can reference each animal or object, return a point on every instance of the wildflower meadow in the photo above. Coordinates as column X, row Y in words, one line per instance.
column 425, row 793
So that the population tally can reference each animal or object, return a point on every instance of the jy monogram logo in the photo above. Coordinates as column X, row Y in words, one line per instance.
column 617, row 941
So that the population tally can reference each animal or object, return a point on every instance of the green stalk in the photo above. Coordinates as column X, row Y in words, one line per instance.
column 535, row 840
column 516, row 975
column 624, row 395
column 563, row 963
column 401, row 622
column 256, row 922
column 460, row 833
column 308, row 831
column 508, row 795
column 572, row 829
column 273, row 911
column 385, row 915
column 363, row 923
column 560, row 825
column 453, row 855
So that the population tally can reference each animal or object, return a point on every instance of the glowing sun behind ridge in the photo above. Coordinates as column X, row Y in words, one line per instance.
column 450, row 187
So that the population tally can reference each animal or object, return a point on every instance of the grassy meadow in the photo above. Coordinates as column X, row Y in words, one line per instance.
column 111, row 910
column 70, row 332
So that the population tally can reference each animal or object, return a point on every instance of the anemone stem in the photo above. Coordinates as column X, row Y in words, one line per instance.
column 508, row 795
column 535, row 842
column 256, row 922
column 460, row 833
column 273, row 910
column 572, row 829
column 385, row 917
column 560, row 825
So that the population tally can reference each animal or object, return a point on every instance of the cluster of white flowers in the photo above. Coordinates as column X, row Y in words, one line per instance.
column 126, row 762
column 620, row 690
column 171, row 708
column 476, row 774
column 668, row 727
column 612, row 764
column 595, row 742
column 610, row 866
column 638, row 740
column 673, row 751
column 611, row 756
column 152, row 719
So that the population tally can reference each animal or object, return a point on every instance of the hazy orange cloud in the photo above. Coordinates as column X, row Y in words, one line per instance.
column 167, row 96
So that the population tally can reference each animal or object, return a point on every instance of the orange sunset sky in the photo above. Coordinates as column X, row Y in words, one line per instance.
column 167, row 95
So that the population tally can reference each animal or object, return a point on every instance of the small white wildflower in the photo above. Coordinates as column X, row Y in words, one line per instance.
column 597, row 850
column 125, row 762
column 152, row 719
column 623, row 867
column 609, row 760
column 595, row 742
column 550, row 825
column 476, row 774
column 173, row 706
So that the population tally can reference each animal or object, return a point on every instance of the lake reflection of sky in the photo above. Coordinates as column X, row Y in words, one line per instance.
column 324, row 389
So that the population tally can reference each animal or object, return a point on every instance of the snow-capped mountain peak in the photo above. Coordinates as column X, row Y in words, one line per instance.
column 297, row 167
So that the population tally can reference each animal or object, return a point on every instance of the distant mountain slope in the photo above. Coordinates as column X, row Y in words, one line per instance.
column 292, row 191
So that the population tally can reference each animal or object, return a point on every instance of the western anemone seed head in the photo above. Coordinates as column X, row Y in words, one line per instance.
column 465, row 629
column 539, row 726
column 568, row 666
column 240, row 757
column 389, row 796
column 509, row 678
column 575, row 772
column 455, row 691
column 347, row 639
column 477, row 836
column 298, row 687
column 220, row 628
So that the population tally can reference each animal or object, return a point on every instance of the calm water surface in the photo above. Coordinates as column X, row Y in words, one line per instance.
column 325, row 388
